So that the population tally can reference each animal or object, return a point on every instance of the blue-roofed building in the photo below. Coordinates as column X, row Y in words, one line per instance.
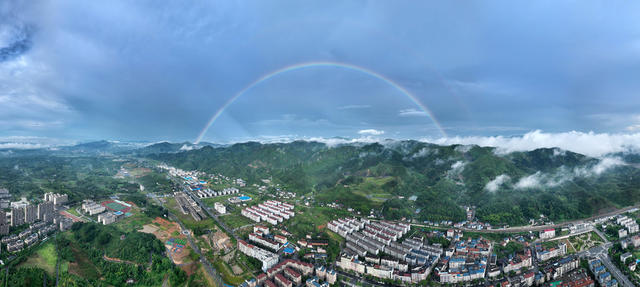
column 604, row 277
column 599, row 270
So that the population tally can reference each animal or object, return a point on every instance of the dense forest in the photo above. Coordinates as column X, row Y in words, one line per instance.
column 506, row 188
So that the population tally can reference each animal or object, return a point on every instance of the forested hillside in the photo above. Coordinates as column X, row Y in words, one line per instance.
column 506, row 188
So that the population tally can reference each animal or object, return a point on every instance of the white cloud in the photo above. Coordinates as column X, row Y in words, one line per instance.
column 371, row 132
column 602, row 166
column 457, row 167
column 412, row 113
column 187, row 147
column 493, row 185
column 22, row 146
column 531, row 181
column 633, row 127
column 591, row 144
column 354, row 107
column 563, row 174
column 425, row 151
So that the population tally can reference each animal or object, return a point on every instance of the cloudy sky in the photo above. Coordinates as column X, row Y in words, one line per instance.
column 149, row 70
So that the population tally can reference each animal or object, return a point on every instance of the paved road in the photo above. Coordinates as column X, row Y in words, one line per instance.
column 360, row 279
column 211, row 214
column 601, row 252
column 213, row 273
column 622, row 279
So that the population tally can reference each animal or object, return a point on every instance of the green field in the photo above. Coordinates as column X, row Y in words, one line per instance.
column 372, row 188
column 45, row 258
column 311, row 219
column 133, row 222
column 235, row 221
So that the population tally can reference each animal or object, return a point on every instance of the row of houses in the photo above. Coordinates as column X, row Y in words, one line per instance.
column 207, row 193
column 271, row 211
column 344, row 226
column 350, row 262
column 28, row 237
column 268, row 243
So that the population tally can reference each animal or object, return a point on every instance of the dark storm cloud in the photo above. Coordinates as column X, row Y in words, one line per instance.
column 160, row 70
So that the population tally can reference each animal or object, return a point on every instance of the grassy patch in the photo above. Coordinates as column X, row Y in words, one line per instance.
column 235, row 221
column 133, row 222
column 82, row 266
column 45, row 258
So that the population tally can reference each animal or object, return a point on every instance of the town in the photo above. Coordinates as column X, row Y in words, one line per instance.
column 260, row 234
column 379, row 252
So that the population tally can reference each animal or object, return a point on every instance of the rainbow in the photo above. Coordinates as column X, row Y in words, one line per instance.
column 308, row 65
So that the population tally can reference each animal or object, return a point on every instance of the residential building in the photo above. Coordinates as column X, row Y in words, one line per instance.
column 45, row 211
column 17, row 216
column 107, row 218
column 4, row 226
column 92, row 208
column 548, row 234
column 267, row 258
column 220, row 208
column 30, row 213
column 622, row 233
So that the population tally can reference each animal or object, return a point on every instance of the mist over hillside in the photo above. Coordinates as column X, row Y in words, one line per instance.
column 507, row 188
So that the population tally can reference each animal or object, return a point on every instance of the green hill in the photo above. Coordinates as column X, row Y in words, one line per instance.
column 506, row 188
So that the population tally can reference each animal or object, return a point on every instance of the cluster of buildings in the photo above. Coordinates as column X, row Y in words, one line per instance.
column 346, row 226
column 558, row 272
column 631, row 241
column 91, row 207
column 579, row 278
column 603, row 276
column 105, row 217
column 516, row 262
column 268, row 259
column 286, row 273
column 410, row 261
column 271, row 211
column 27, row 213
column 630, row 226
column 189, row 206
column 560, row 267
column 543, row 253
column 289, row 273
column 466, row 260
column 29, row 236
